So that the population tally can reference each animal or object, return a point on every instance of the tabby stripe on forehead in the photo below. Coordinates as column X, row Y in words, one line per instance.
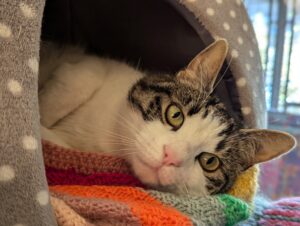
column 228, row 130
column 194, row 110
column 154, row 109
column 138, row 105
column 205, row 113
column 221, row 111
column 212, row 101
column 155, row 87
column 221, row 145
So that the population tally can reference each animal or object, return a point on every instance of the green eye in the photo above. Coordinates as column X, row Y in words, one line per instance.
column 174, row 116
column 209, row 162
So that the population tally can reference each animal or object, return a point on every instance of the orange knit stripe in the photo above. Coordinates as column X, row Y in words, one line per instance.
column 149, row 210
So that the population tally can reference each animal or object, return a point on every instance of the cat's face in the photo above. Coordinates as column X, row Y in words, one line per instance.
column 184, row 139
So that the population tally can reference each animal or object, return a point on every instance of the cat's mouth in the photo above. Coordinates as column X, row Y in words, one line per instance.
column 155, row 176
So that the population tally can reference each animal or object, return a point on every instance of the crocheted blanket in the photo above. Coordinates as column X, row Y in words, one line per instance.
column 89, row 189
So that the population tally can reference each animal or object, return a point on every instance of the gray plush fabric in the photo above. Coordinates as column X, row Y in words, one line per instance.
column 24, row 199
column 229, row 20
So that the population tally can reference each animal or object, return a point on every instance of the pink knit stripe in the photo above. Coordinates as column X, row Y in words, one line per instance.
column 66, row 216
column 282, row 212
column 289, row 202
column 82, row 162
column 70, row 177
column 97, row 209
column 275, row 222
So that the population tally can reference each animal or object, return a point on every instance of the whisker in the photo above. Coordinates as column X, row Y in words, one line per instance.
column 127, row 154
column 128, row 123
column 186, row 188
column 113, row 134
column 116, row 142
column 224, row 73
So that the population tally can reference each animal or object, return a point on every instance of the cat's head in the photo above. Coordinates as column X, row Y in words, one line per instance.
column 185, row 140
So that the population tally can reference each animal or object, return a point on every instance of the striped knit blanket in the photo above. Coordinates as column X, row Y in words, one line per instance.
column 89, row 189
column 283, row 212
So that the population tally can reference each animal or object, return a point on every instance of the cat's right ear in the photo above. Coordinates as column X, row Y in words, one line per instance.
column 203, row 70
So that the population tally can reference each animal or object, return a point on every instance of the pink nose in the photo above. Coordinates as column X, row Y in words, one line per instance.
column 169, row 158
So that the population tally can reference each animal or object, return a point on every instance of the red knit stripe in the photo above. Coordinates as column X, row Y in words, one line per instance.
column 70, row 177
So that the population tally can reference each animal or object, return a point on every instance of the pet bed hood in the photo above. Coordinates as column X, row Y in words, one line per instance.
column 164, row 36
column 155, row 34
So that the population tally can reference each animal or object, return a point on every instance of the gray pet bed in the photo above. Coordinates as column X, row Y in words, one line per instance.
column 155, row 35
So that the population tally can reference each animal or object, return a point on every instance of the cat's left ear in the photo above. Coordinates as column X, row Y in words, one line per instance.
column 270, row 144
column 203, row 70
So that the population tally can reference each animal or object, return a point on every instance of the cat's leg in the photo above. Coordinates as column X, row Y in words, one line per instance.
column 70, row 86
column 50, row 135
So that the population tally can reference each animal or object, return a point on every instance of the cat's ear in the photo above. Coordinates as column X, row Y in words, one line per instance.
column 204, row 68
column 270, row 144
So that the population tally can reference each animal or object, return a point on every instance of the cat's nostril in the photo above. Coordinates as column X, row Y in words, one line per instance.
column 169, row 158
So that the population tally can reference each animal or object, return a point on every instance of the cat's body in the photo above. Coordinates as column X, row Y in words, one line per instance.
column 91, row 83
column 175, row 134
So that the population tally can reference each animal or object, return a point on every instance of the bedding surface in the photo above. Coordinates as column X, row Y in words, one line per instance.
column 93, row 189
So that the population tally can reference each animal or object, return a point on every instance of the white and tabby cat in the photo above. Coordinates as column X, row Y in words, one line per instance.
column 174, row 132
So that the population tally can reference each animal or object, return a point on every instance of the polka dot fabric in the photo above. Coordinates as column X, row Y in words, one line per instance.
column 229, row 20
column 23, row 189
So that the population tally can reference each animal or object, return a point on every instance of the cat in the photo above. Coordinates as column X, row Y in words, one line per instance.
column 176, row 135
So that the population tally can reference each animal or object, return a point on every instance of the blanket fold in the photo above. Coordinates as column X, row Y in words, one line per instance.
column 92, row 189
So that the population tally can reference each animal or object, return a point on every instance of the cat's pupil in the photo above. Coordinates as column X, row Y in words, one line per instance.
column 176, row 115
column 210, row 160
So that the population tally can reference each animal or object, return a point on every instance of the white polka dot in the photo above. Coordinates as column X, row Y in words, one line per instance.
column 219, row 1
column 234, row 53
column 255, row 94
column 226, row 26
column 232, row 13
column 241, row 82
column 246, row 110
column 27, row 10
column 248, row 67
column 14, row 87
column 34, row 65
column 240, row 40
column 6, row 173
column 261, row 107
column 210, row 11
column 259, row 67
column 251, row 53
column 42, row 197
column 239, row 2
column 29, row 143
column 5, row 31
column 245, row 27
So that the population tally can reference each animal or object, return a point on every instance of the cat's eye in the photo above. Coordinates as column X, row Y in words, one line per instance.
column 174, row 116
column 209, row 162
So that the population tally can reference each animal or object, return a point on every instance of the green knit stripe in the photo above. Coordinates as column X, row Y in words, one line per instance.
column 236, row 210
